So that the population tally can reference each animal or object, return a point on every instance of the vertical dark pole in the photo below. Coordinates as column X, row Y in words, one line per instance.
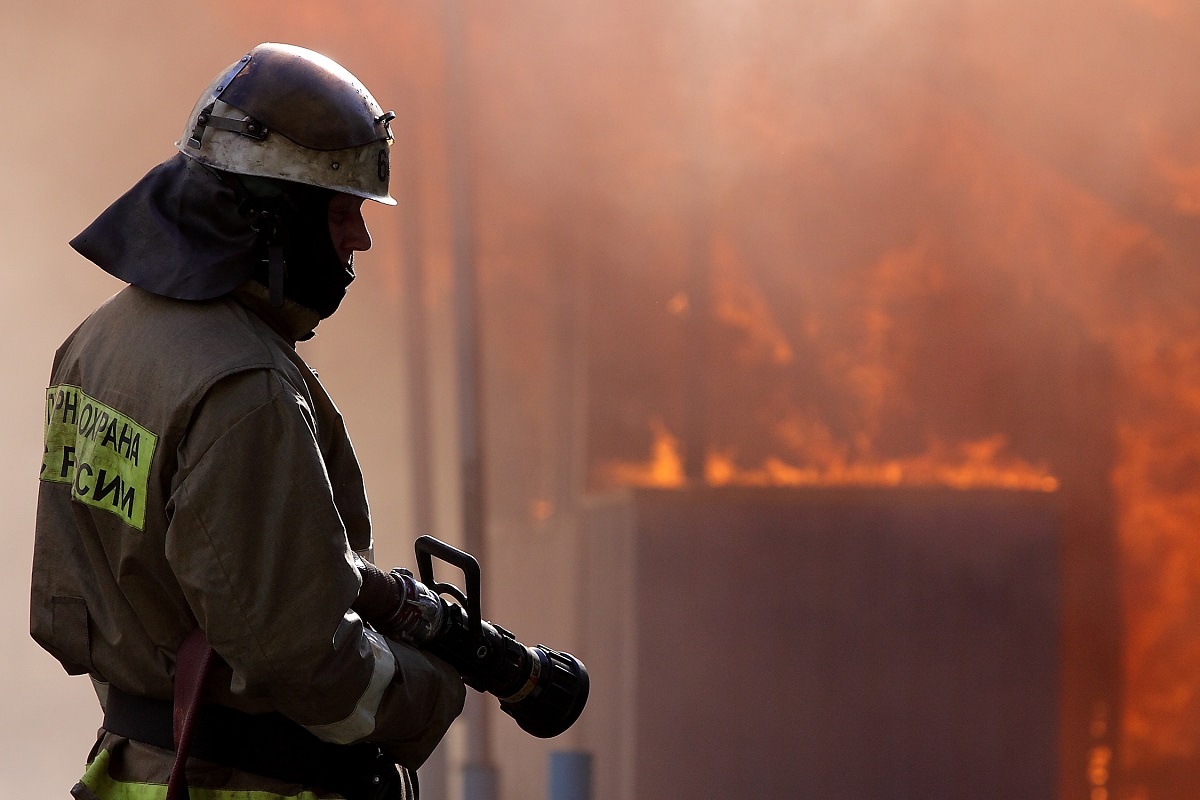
column 569, row 352
column 407, row 192
column 479, row 776
column 466, row 312
column 406, row 189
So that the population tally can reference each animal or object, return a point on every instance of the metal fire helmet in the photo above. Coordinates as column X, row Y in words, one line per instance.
column 292, row 114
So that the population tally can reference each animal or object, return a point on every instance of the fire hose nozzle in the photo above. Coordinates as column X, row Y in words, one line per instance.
column 543, row 689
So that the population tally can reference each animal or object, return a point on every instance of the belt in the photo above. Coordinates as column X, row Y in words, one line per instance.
column 270, row 745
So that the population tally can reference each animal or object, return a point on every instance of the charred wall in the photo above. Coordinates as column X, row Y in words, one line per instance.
column 840, row 643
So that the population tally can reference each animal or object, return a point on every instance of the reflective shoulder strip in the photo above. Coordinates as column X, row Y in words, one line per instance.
column 361, row 721
column 97, row 783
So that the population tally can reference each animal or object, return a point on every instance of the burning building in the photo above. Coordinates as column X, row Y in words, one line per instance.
column 893, row 247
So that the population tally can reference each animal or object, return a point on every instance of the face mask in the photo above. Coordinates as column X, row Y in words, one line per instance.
column 299, row 252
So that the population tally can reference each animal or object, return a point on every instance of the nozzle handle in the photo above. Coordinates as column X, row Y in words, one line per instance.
column 427, row 547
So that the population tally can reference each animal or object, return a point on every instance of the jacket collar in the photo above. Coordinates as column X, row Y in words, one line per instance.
column 292, row 321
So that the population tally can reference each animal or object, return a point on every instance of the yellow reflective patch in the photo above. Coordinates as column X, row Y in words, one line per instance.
column 105, row 787
column 102, row 454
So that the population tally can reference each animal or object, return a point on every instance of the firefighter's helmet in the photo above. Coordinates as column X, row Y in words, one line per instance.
column 288, row 113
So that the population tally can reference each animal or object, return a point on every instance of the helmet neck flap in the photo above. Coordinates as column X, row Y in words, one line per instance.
column 176, row 233
column 192, row 233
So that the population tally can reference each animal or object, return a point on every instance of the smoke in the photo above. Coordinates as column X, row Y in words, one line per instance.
column 779, row 230
column 856, row 231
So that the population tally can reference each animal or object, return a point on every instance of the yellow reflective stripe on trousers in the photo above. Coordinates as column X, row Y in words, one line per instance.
column 105, row 787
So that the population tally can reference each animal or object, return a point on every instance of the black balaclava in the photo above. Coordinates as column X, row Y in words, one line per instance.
column 298, row 259
column 193, row 233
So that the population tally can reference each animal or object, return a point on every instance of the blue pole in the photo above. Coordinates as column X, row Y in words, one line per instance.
column 570, row 775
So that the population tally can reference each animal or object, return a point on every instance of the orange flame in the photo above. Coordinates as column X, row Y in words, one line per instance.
column 968, row 465
column 663, row 470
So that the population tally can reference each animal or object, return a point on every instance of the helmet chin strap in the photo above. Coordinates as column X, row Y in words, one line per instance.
column 267, row 219
column 268, row 224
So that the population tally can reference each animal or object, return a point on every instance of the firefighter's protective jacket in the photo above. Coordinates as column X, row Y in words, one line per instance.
column 197, row 473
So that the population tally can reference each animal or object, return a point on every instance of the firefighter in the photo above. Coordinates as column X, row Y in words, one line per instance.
column 201, row 509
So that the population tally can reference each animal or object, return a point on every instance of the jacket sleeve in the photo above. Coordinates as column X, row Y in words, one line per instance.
column 260, row 552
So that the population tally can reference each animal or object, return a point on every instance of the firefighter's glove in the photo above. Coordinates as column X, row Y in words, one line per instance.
column 398, row 605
